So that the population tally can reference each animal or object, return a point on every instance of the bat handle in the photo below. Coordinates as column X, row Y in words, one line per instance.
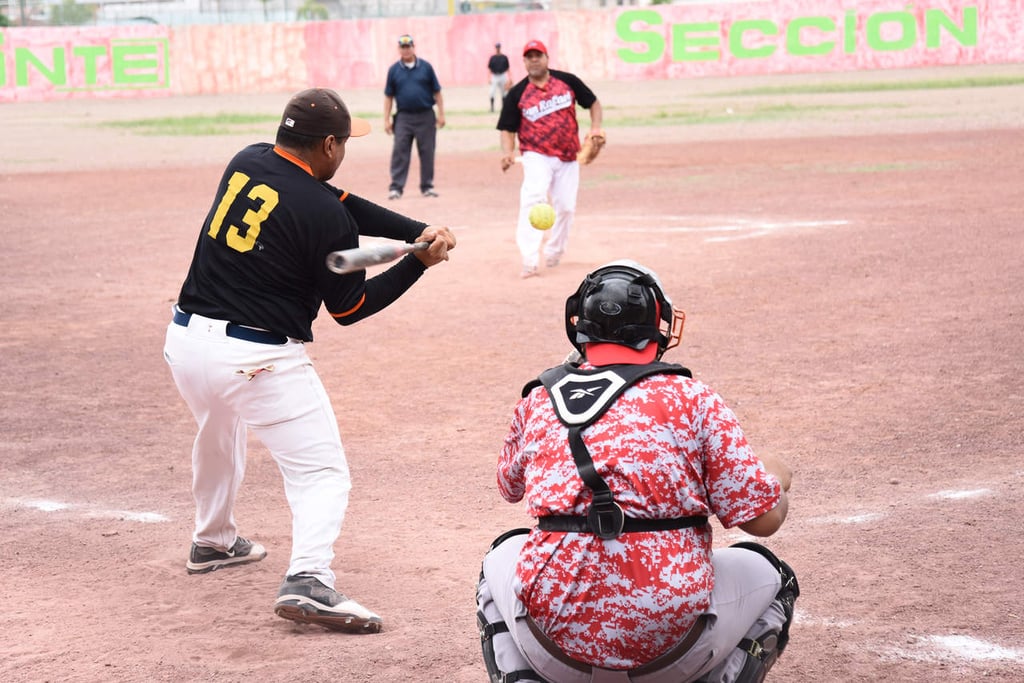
column 336, row 261
column 414, row 247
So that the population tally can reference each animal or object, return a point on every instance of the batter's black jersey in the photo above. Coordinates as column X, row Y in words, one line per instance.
column 261, row 256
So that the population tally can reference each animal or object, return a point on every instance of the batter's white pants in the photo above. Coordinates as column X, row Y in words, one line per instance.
column 231, row 385
column 546, row 179
column 742, row 605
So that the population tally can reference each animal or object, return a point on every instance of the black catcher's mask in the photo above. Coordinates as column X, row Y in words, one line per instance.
column 624, row 303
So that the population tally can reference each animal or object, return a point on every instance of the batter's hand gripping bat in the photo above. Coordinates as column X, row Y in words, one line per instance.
column 360, row 258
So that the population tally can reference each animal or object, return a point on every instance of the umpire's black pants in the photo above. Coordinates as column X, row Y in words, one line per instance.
column 420, row 126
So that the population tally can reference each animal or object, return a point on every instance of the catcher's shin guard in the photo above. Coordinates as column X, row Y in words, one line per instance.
column 494, row 673
column 504, row 662
column 761, row 655
column 762, row 652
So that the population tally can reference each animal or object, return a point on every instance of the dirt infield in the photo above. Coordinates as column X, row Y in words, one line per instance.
column 851, row 271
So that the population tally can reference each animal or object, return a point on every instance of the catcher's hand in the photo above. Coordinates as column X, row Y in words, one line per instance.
column 592, row 145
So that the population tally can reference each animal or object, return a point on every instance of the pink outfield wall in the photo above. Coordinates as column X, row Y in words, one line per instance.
column 634, row 43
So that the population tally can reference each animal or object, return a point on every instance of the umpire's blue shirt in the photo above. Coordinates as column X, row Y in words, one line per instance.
column 413, row 88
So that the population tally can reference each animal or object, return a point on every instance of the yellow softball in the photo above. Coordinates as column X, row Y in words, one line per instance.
column 542, row 216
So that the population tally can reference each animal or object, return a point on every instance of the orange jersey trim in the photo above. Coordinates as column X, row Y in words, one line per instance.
column 294, row 159
column 303, row 165
column 352, row 310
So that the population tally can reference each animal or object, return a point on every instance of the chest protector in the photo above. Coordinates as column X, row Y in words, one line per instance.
column 579, row 398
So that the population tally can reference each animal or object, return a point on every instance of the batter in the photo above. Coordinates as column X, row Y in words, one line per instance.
column 236, row 344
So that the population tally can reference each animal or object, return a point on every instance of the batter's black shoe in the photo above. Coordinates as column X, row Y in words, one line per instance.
column 305, row 599
column 203, row 559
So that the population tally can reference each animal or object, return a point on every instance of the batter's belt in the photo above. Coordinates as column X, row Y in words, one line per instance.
column 236, row 331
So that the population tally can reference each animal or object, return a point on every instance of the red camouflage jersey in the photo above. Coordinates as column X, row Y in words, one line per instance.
column 545, row 118
column 668, row 447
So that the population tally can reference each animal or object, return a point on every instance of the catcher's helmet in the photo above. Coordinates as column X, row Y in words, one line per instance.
column 624, row 303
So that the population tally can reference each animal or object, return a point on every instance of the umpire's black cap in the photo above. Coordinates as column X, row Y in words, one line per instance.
column 319, row 112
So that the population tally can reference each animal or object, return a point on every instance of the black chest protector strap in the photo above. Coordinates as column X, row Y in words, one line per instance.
column 580, row 397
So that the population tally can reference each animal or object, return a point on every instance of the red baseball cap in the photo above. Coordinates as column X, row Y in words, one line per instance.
column 535, row 45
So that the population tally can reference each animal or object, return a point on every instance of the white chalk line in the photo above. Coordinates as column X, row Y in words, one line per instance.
column 860, row 518
column 866, row 517
column 961, row 495
column 725, row 229
column 933, row 648
column 948, row 648
column 928, row 648
column 43, row 505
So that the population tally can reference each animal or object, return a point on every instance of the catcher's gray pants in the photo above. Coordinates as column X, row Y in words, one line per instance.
column 421, row 127
column 742, row 605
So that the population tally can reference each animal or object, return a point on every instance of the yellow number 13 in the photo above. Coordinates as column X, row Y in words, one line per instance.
column 253, row 219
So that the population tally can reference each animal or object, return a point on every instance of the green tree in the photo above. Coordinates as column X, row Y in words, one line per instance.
column 70, row 13
column 311, row 10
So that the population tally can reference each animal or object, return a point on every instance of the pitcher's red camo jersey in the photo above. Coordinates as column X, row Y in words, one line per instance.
column 668, row 447
column 545, row 118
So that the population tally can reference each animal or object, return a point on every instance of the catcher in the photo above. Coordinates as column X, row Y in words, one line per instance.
column 541, row 111
column 622, row 459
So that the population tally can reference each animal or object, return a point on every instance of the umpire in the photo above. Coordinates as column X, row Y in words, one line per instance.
column 413, row 87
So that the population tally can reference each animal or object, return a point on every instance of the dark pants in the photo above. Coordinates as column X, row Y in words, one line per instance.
column 420, row 126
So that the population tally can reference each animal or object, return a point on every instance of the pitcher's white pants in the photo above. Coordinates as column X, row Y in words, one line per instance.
column 546, row 179
column 287, row 408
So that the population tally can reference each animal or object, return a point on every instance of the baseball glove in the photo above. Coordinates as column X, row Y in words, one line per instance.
column 592, row 145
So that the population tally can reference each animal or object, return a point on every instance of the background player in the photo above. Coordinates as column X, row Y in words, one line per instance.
column 498, row 73
column 541, row 109
column 236, row 344
column 622, row 458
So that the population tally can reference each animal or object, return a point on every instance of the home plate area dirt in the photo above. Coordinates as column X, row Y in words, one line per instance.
column 852, row 288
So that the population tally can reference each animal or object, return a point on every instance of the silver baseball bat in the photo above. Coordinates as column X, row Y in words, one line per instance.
column 361, row 258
